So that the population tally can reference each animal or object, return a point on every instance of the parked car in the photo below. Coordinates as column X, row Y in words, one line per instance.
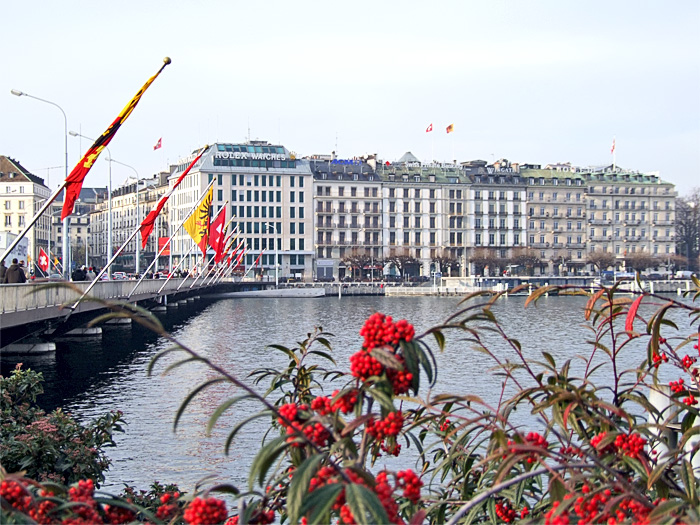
column 119, row 276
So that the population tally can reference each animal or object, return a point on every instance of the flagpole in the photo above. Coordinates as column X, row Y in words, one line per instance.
column 212, row 258
column 217, row 278
column 177, row 267
column 228, row 266
column 170, row 238
column 36, row 217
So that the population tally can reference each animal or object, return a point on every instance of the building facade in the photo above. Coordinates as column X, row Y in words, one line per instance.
column 22, row 195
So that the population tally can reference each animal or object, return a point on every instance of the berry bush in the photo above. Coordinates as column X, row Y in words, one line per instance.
column 594, row 450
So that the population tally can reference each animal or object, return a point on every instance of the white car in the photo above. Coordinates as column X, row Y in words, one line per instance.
column 119, row 276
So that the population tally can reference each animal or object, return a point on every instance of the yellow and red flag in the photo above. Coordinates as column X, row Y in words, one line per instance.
column 450, row 128
column 198, row 223
column 150, row 220
column 74, row 181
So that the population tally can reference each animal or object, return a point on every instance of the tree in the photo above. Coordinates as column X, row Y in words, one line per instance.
column 640, row 261
column 601, row 260
column 444, row 260
column 483, row 257
column 401, row 260
column 688, row 227
column 526, row 257
column 357, row 260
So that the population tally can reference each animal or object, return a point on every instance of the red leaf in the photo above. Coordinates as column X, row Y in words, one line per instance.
column 631, row 314
column 591, row 302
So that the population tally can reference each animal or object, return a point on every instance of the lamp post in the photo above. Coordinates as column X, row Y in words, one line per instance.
column 268, row 224
column 138, row 208
column 109, row 204
column 66, row 222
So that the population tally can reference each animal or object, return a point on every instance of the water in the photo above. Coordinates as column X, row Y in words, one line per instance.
column 90, row 378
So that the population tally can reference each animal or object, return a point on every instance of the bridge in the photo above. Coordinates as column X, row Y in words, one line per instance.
column 39, row 310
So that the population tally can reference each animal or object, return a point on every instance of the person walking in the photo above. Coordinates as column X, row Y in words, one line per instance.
column 14, row 274
column 3, row 270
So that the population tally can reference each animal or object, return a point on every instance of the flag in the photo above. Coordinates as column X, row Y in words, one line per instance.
column 158, row 144
column 43, row 261
column 198, row 223
column 258, row 259
column 450, row 128
column 74, row 181
column 430, row 128
column 217, row 234
column 612, row 149
column 150, row 220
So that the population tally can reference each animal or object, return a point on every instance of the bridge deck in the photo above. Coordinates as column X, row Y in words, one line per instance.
column 30, row 302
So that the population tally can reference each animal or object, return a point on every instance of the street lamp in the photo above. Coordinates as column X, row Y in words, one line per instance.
column 66, row 221
column 138, row 212
column 267, row 225
column 109, row 203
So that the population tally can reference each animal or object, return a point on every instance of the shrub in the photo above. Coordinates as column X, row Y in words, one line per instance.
column 588, row 454
column 50, row 447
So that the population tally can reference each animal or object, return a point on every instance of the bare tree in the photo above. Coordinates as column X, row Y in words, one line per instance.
column 356, row 260
column 601, row 260
column 526, row 257
column 401, row 260
column 688, row 227
column 640, row 261
column 483, row 257
column 444, row 260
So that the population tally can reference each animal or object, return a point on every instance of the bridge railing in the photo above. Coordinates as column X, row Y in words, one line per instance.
column 32, row 296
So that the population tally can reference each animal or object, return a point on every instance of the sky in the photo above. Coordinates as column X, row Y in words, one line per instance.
column 530, row 81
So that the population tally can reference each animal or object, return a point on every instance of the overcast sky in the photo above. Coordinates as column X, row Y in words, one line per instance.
column 530, row 81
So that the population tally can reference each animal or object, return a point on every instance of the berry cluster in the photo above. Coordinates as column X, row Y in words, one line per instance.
column 410, row 483
column 380, row 330
column 298, row 415
column 207, row 511
column 406, row 480
column 346, row 402
column 390, row 426
column 445, row 425
column 259, row 517
column 690, row 400
column 505, row 511
column 659, row 358
column 596, row 440
column 631, row 445
column 364, row 366
column 677, row 386
column 168, row 507
column 599, row 507
column 532, row 439
column 400, row 379
column 688, row 361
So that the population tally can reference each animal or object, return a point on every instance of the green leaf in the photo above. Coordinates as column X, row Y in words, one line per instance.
column 383, row 399
column 240, row 425
column 191, row 396
column 664, row 510
column 364, row 504
column 264, row 459
column 440, row 339
column 319, row 502
column 325, row 355
column 300, row 486
column 688, row 477
column 159, row 355
column 223, row 407
column 386, row 358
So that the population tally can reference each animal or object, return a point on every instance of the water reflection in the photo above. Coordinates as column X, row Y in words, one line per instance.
column 91, row 378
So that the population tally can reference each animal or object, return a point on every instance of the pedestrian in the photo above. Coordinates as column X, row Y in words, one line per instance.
column 24, row 269
column 78, row 274
column 14, row 274
column 3, row 269
column 91, row 274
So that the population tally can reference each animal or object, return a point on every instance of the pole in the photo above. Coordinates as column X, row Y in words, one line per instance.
column 165, row 245
column 66, row 223
column 138, row 211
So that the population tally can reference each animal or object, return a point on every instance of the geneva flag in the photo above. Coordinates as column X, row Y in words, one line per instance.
column 74, row 181
column 43, row 261
column 198, row 223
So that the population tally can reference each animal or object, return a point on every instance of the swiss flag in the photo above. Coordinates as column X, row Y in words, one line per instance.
column 158, row 144
column 430, row 128
column 43, row 261
column 216, row 235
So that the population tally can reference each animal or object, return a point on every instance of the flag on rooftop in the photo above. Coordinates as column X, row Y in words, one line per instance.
column 450, row 128
column 612, row 149
column 198, row 223
column 150, row 220
column 158, row 144
column 430, row 128
column 74, row 181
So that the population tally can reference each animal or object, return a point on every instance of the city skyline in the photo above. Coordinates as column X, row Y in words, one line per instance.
column 534, row 82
